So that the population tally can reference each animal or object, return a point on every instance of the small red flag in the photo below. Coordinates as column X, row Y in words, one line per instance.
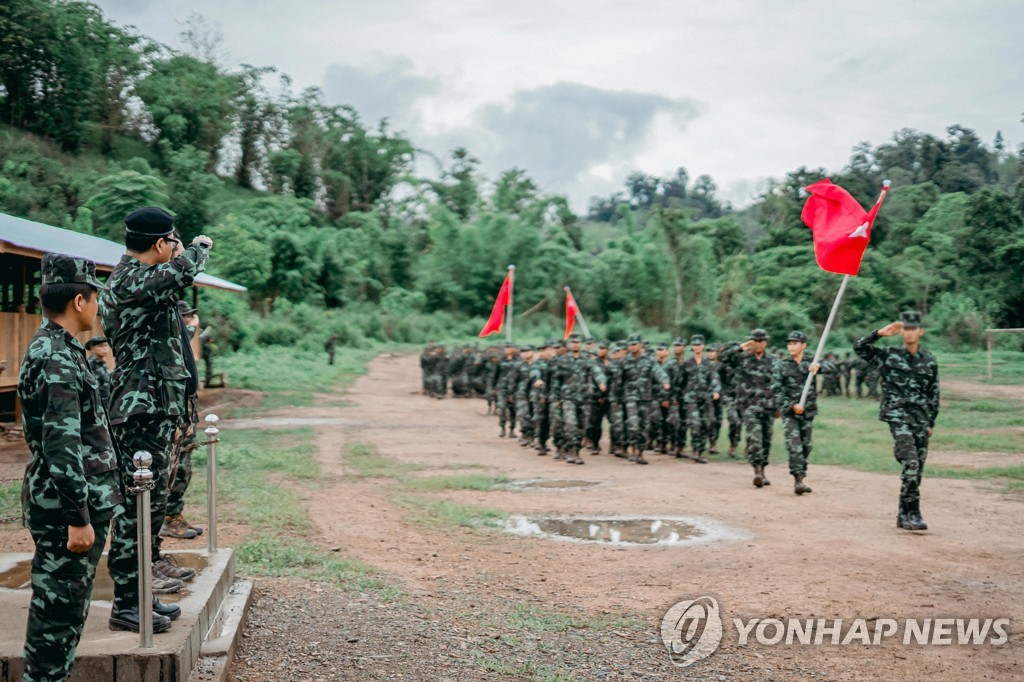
column 842, row 229
column 496, row 322
column 571, row 310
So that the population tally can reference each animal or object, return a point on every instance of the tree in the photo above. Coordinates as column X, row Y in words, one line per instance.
column 118, row 194
column 458, row 188
column 190, row 189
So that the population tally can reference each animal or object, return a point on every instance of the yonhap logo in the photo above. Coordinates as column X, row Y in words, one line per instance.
column 692, row 630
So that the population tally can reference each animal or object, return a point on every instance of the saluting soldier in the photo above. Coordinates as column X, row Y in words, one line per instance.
column 910, row 405
column 155, row 376
column 755, row 400
column 71, row 488
column 788, row 379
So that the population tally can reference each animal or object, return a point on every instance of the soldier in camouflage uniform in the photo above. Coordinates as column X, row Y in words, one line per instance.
column 540, row 376
column 175, row 523
column 598, row 401
column 71, row 488
column 616, row 400
column 701, row 386
column 506, row 392
column 492, row 364
column 554, row 392
column 845, row 370
column 156, row 373
column 755, row 400
column 425, row 368
column 640, row 372
column 715, row 428
column 910, row 405
column 730, row 408
column 99, row 351
column 831, row 384
column 659, row 432
column 454, row 371
column 524, row 411
column 677, row 413
column 788, row 379
column 577, row 375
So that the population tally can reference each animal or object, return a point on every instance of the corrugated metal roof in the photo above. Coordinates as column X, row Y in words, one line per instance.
column 38, row 239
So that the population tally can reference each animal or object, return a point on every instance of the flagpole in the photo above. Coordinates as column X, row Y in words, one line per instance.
column 579, row 315
column 508, row 311
column 819, row 351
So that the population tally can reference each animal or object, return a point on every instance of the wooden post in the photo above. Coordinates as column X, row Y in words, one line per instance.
column 988, row 344
column 508, row 310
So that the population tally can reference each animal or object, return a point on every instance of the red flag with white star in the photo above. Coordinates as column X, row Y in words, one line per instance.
column 841, row 228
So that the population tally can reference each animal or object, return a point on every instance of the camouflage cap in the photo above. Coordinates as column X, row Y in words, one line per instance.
column 150, row 221
column 58, row 268
column 797, row 336
column 96, row 341
column 697, row 340
column 633, row 339
column 542, row 345
column 679, row 342
column 662, row 345
column 758, row 335
column 589, row 339
column 910, row 318
column 575, row 337
column 526, row 347
column 603, row 343
column 548, row 343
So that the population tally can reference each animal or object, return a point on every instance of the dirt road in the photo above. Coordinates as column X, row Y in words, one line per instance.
column 833, row 554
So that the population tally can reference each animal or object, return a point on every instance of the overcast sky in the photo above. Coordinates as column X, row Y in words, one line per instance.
column 582, row 92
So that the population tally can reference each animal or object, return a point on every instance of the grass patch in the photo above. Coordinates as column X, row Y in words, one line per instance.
column 441, row 513
column 435, row 484
column 365, row 462
column 10, row 502
column 1007, row 366
column 535, row 672
column 533, row 618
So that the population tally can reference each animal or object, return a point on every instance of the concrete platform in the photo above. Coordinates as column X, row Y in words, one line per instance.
column 104, row 654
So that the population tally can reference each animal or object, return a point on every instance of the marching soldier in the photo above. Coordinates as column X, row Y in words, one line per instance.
column 755, row 400
column 577, row 375
column 616, row 397
column 701, row 386
column 71, row 489
column 716, row 409
column 540, row 377
column 640, row 372
column 524, row 410
column 677, row 413
column 598, row 401
column 788, row 379
column 506, row 394
column 910, row 405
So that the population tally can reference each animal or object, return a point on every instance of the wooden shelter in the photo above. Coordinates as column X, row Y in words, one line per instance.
column 23, row 243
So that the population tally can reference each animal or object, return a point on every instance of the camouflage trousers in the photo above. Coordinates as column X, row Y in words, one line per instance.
column 575, row 414
column 637, row 421
column 61, row 589
column 556, row 425
column 155, row 435
column 524, row 410
column 598, row 411
column 506, row 410
column 617, row 423
column 541, row 422
column 796, row 431
column 715, row 428
column 698, row 418
column 758, row 424
column 732, row 415
column 182, row 477
column 910, row 446
column 673, row 422
column 658, row 430
column 435, row 384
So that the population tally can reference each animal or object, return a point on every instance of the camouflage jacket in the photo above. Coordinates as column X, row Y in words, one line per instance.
column 579, row 377
column 788, row 379
column 524, row 387
column 102, row 374
column 752, row 378
column 141, row 318
column 640, row 373
column 616, row 381
column 699, row 381
column 72, row 474
column 658, row 391
column 910, row 382
column 507, row 376
column 540, row 370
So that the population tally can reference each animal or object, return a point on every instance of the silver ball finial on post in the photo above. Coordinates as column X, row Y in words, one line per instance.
column 211, row 480
column 143, row 477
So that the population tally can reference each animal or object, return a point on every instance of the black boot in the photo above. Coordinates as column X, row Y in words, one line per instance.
column 901, row 515
column 125, row 616
column 171, row 611
column 799, row 487
column 758, row 477
column 914, row 520
column 502, row 433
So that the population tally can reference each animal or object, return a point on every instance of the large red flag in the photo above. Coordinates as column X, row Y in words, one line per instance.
column 571, row 310
column 841, row 227
column 496, row 321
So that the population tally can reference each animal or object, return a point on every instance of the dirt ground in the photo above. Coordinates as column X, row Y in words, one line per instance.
column 833, row 554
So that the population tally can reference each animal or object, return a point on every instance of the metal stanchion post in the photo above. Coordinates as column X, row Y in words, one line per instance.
column 143, row 485
column 211, row 481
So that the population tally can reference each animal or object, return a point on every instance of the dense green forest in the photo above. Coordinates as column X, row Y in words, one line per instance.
column 324, row 218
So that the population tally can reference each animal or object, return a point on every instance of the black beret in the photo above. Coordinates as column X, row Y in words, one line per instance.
column 150, row 222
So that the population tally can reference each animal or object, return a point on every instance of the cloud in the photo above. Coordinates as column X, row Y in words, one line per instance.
column 388, row 88
column 562, row 131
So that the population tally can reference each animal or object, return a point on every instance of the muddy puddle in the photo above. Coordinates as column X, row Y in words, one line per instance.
column 18, row 576
column 555, row 484
column 627, row 530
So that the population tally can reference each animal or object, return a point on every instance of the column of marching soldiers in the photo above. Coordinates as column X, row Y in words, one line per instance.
column 654, row 397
